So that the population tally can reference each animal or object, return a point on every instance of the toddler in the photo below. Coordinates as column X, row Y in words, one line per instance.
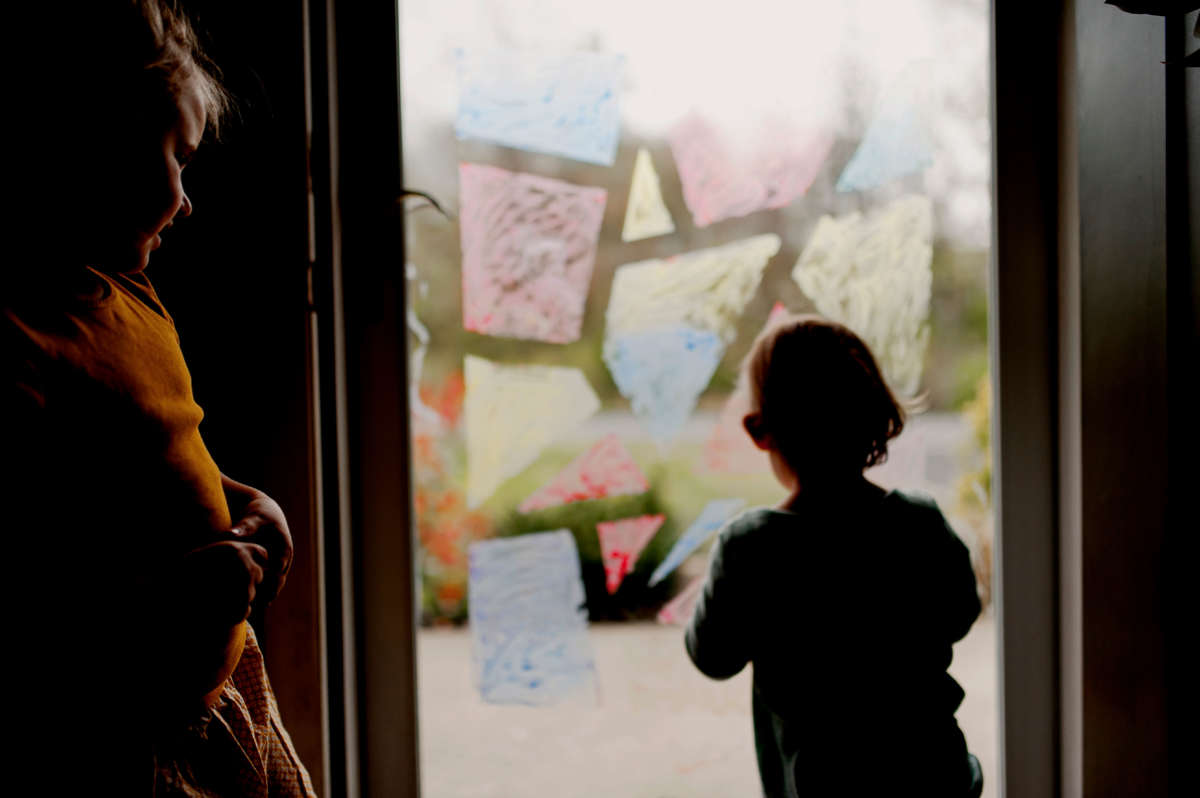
column 133, row 561
column 846, row 597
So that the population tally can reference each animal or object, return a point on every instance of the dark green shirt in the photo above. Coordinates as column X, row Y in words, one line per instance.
column 848, row 611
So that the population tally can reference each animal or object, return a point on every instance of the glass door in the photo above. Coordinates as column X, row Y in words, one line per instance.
column 630, row 191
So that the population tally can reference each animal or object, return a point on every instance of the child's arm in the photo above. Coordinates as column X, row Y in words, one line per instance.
column 261, row 520
column 717, row 638
column 961, row 605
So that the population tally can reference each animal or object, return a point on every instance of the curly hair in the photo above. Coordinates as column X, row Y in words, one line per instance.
column 821, row 396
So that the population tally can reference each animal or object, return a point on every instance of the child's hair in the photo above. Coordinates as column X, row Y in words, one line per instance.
column 821, row 396
column 135, row 58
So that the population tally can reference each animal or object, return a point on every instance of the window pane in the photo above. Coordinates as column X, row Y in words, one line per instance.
column 633, row 189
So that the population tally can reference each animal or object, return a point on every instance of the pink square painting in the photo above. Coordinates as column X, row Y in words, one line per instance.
column 528, row 247
column 720, row 183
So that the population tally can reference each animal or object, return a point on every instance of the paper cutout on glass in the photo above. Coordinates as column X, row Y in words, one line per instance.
column 711, row 519
column 662, row 372
column 897, row 141
column 621, row 543
column 706, row 289
column 874, row 275
column 512, row 413
column 528, row 247
column 678, row 611
column 717, row 184
column 606, row 469
column 560, row 104
column 646, row 214
column 729, row 448
column 528, row 619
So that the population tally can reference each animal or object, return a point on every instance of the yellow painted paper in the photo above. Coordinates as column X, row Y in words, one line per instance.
column 512, row 413
column 646, row 214
column 706, row 289
column 874, row 275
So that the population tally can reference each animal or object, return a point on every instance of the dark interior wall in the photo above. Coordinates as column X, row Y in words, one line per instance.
column 233, row 275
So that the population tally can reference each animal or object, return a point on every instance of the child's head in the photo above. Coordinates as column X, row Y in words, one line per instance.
column 819, row 403
column 140, row 96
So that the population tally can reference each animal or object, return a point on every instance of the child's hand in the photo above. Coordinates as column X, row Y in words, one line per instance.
column 260, row 521
column 222, row 580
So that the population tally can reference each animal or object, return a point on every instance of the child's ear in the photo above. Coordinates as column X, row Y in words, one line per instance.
column 753, row 422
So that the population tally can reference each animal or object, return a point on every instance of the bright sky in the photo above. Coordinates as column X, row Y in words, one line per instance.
column 737, row 63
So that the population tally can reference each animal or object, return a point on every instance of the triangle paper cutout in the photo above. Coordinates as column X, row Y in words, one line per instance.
column 621, row 543
column 662, row 373
column 646, row 214
column 706, row 289
column 711, row 518
column 678, row 611
column 606, row 469
column 512, row 413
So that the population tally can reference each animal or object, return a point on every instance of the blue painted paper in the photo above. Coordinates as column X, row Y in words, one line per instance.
column 712, row 518
column 662, row 372
column 528, row 619
column 896, row 144
column 561, row 104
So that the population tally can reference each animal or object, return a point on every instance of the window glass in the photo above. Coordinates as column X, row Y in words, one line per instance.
column 630, row 191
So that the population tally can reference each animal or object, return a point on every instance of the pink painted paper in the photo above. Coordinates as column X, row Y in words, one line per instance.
column 606, row 469
column 528, row 247
column 729, row 449
column 678, row 610
column 718, row 184
column 621, row 542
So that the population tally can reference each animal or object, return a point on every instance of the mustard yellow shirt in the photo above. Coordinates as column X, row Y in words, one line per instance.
column 98, row 407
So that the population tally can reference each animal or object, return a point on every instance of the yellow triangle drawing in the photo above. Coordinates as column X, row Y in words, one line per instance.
column 646, row 214
column 706, row 289
column 513, row 413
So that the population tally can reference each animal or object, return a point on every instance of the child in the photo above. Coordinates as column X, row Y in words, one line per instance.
column 846, row 597
column 129, row 578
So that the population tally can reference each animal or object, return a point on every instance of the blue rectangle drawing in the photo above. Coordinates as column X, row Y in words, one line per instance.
column 562, row 104
column 528, row 619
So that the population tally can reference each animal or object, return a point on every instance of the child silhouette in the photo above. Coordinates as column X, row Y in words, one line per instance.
column 133, row 561
column 846, row 597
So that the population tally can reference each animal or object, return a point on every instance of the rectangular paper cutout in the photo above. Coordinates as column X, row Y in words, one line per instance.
column 528, row 621
column 718, row 184
column 563, row 104
column 512, row 413
column 528, row 247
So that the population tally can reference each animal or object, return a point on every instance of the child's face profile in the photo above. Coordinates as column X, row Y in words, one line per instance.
column 150, row 193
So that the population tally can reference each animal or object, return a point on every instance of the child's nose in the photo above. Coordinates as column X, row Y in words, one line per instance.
column 185, row 207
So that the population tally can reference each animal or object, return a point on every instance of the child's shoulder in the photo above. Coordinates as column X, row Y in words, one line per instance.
column 914, row 501
column 755, row 522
